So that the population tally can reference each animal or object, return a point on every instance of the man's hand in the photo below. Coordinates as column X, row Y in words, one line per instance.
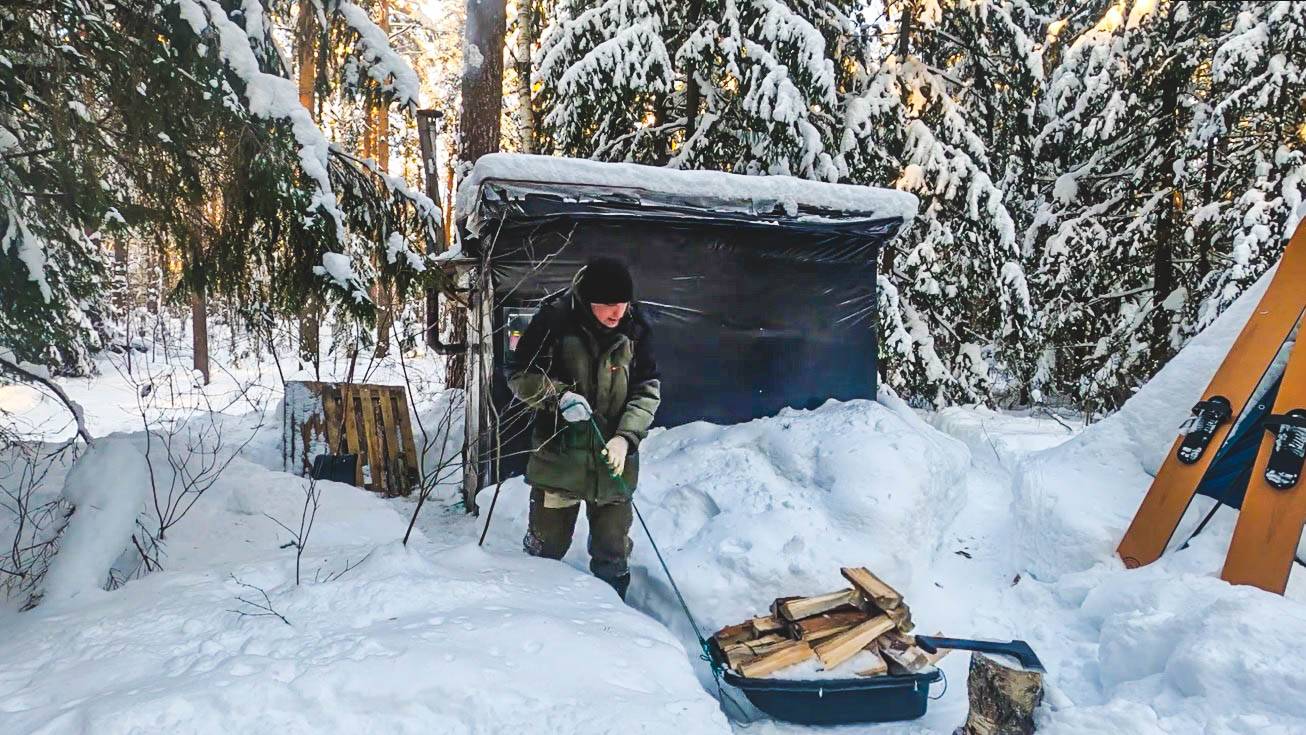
column 615, row 451
column 574, row 407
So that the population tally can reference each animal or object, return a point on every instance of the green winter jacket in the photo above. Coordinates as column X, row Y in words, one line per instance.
column 565, row 349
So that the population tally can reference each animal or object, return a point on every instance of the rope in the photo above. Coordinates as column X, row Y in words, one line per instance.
column 705, row 653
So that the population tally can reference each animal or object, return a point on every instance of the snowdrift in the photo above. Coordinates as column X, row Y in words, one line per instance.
column 436, row 637
column 775, row 506
column 1073, row 502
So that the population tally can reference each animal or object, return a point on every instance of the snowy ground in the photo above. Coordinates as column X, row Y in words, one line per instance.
column 993, row 524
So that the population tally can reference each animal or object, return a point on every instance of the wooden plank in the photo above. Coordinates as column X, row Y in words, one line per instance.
column 389, row 438
column 805, row 607
column 352, row 443
column 822, row 625
column 875, row 589
column 373, row 440
column 790, row 655
column 406, row 437
column 766, row 624
column 845, row 645
column 331, row 415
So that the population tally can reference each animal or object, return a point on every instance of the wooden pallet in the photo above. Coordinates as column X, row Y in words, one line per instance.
column 371, row 421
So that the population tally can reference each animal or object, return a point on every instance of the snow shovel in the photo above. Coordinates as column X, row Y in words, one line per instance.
column 1018, row 650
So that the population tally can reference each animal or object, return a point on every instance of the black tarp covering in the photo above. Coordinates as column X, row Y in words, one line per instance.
column 749, row 314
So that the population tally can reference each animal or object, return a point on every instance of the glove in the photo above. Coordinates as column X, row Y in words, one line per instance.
column 574, row 407
column 615, row 451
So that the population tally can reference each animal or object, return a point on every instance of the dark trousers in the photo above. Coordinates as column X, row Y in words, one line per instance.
column 550, row 530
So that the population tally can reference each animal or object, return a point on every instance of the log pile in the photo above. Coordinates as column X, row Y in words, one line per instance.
column 870, row 616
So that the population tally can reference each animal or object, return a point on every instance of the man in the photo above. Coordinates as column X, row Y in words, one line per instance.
column 586, row 367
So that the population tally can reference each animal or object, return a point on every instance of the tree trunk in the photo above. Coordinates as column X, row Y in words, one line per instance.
column 482, row 90
column 693, row 93
column 377, row 139
column 306, row 40
column 1163, row 270
column 1002, row 699
column 482, row 83
column 522, row 57
column 199, row 323
column 428, row 130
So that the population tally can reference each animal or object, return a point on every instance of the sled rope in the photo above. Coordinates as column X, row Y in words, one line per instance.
column 705, row 652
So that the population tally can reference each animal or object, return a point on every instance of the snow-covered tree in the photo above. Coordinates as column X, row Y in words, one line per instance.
column 1171, row 151
column 924, row 117
column 176, row 123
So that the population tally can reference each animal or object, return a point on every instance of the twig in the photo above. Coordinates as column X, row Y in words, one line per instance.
column 265, row 608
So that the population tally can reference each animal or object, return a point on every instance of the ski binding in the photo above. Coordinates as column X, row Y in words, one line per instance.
column 1200, row 427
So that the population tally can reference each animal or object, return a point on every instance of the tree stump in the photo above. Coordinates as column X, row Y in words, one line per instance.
column 1002, row 698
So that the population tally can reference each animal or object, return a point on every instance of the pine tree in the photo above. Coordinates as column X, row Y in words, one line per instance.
column 956, row 303
column 228, row 175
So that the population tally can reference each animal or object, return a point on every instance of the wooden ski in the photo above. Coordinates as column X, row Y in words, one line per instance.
column 1251, row 354
column 1270, row 522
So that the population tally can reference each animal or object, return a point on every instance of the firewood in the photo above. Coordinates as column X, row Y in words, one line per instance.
column 906, row 659
column 820, row 626
column 805, row 607
column 762, row 645
column 739, row 656
column 897, row 638
column 845, row 645
column 901, row 617
column 794, row 653
column 878, row 665
column 775, row 606
column 766, row 624
column 875, row 589
column 732, row 634
column 937, row 656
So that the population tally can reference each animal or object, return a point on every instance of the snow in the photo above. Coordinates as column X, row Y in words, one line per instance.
column 993, row 524
column 384, row 65
column 755, row 193
column 339, row 268
column 107, row 486
column 1065, row 527
column 435, row 637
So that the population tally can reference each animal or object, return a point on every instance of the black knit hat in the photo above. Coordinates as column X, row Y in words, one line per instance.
column 606, row 281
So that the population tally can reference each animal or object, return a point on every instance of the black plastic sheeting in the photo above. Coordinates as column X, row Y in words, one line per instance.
column 1230, row 472
column 748, row 316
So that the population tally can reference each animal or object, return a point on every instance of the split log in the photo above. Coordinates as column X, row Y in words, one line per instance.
column 875, row 589
column 762, row 645
column 878, row 666
column 905, row 659
column 901, row 617
column 845, row 645
column 732, row 634
column 794, row 653
column 738, row 656
column 825, row 625
column 766, row 624
column 1002, row 698
column 804, row 607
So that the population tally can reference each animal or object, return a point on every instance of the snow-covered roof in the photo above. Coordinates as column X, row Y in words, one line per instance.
column 583, row 180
